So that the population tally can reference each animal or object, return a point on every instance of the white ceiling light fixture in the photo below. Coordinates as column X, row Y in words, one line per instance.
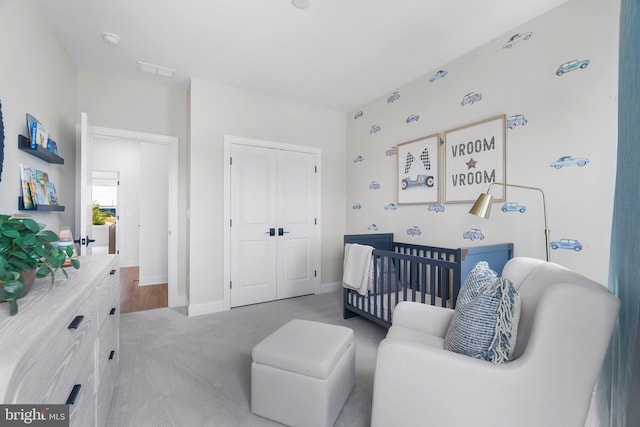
column 300, row 4
column 156, row 69
column 110, row 39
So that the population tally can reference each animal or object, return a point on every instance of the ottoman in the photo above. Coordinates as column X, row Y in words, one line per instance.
column 303, row 373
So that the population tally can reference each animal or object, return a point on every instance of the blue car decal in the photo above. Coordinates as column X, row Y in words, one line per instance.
column 566, row 244
column 572, row 65
column 569, row 161
column 473, row 234
column 414, row 231
column 517, row 38
column 438, row 75
column 513, row 207
column 516, row 120
column 394, row 97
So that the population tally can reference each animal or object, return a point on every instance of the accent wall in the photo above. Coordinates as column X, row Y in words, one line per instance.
column 555, row 80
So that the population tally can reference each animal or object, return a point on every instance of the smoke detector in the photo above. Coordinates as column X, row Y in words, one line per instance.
column 300, row 4
column 110, row 39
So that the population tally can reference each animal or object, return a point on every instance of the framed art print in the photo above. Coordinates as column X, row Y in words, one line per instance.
column 418, row 170
column 474, row 158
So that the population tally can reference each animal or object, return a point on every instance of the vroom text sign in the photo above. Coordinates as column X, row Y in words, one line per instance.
column 474, row 158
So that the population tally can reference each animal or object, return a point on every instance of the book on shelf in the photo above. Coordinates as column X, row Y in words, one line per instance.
column 28, row 188
column 42, row 178
column 52, row 146
column 51, row 193
column 37, row 132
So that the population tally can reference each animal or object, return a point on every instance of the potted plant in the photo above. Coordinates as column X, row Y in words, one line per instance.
column 27, row 251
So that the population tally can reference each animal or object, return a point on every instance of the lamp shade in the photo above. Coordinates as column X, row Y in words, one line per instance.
column 482, row 206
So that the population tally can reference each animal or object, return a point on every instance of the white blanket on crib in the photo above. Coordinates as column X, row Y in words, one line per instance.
column 358, row 267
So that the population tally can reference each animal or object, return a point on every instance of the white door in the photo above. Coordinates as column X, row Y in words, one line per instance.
column 85, row 177
column 272, row 224
column 253, row 213
column 296, row 223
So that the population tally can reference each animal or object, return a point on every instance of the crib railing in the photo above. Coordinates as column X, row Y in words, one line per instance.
column 409, row 273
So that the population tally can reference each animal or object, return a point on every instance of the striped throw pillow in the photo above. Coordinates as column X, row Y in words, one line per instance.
column 485, row 322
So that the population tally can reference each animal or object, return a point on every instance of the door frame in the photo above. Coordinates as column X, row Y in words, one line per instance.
column 230, row 140
column 174, row 300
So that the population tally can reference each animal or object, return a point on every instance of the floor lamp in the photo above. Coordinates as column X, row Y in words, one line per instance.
column 482, row 207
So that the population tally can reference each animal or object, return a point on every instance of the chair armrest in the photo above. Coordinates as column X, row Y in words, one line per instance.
column 415, row 382
column 425, row 318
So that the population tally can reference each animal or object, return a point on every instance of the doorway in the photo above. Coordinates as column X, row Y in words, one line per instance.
column 170, row 188
column 272, row 200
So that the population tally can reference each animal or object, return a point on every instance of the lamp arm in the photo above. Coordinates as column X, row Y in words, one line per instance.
column 544, row 208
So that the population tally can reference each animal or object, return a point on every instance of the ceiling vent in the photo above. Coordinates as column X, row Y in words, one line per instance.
column 156, row 69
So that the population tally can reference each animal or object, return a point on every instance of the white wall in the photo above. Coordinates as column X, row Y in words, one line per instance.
column 36, row 77
column 575, row 114
column 123, row 157
column 154, row 214
column 216, row 110
column 144, row 107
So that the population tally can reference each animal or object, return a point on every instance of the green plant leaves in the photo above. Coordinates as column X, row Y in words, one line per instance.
column 48, row 236
column 10, row 233
column 27, row 245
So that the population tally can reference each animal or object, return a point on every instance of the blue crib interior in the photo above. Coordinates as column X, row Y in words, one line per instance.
column 408, row 272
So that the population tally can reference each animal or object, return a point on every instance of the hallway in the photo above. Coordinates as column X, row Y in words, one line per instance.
column 139, row 298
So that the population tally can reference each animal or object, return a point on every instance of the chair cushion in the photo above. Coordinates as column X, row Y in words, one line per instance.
column 304, row 347
column 485, row 321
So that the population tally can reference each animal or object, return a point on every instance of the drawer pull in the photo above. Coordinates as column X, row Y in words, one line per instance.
column 113, row 311
column 113, row 353
column 76, row 322
column 74, row 394
column 112, row 272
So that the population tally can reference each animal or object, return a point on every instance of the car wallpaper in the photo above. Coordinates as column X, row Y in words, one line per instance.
column 555, row 80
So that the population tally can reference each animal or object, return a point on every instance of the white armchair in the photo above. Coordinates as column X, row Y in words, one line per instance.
column 566, row 322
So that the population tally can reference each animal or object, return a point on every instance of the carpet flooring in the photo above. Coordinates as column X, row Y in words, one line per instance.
column 180, row 371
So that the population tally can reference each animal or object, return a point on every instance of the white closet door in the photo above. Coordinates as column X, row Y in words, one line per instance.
column 296, row 219
column 253, row 213
column 273, row 224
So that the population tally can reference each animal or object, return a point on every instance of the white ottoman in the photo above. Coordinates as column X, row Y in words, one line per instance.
column 303, row 373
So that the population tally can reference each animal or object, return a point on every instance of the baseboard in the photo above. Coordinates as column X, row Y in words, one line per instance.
column 206, row 308
column 325, row 288
column 153, row 280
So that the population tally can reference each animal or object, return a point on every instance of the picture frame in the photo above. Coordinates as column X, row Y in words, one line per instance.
column 475, row 156
column 419, row 171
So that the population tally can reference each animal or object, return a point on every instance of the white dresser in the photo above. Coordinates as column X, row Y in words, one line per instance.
column 63, row 345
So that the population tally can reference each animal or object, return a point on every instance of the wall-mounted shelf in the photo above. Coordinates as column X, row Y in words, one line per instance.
column 39, row 208
column 40, row 152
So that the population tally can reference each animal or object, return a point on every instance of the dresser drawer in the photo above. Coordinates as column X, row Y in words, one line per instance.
column 108, row 349
column 105, row 391
column 53, row 375
column 108, row 297
column 82, row 411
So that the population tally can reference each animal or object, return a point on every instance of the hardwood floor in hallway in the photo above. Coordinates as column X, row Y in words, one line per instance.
column 139, row 298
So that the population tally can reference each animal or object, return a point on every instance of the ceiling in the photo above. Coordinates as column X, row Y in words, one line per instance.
column 338, row 54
